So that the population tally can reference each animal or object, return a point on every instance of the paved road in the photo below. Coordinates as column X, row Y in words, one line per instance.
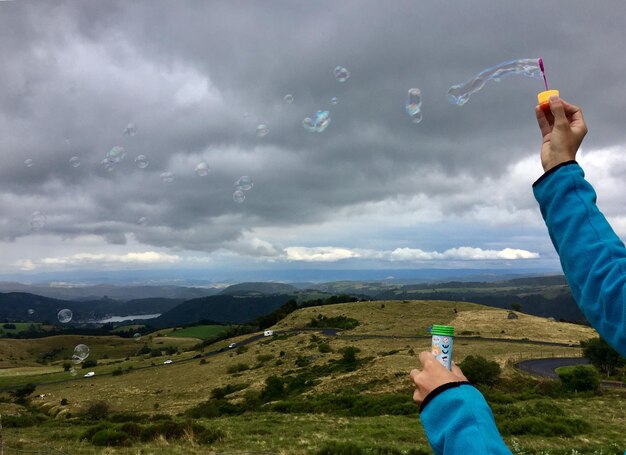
column 546, row 367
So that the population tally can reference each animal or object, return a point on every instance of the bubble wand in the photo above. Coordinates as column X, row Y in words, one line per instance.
column 544, row 97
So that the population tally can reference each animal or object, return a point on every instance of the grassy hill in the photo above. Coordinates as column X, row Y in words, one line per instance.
column 387, row 348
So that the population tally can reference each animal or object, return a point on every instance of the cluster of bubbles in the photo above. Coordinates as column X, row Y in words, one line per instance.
column 243, row 184
column 37, row 220
column 28, row 162
column 130, row 130
column 318, row 122
column 113, row 156
column 167, row 177
column 75, row 161
column 65, row 315
column 137, row 336
column 414, row 105
column 81, row 352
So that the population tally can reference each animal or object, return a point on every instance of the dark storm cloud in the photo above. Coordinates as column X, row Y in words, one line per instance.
column 75, row 73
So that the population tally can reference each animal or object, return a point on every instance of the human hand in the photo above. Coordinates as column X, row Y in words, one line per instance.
column 433, row 375
column 563, row 129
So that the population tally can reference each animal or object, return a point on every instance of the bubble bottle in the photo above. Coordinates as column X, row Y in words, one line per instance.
column 543, row 98
column 442, row 336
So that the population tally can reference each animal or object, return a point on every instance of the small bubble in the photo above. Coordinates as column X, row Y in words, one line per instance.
column 341, row 74
column 414, row 105
column 75, row 161
column 239, row 196
column 288, row 99
column 202, row 169
column 318, row 123
column 244, row 183
column 108, row 165
column 116, row 154
column 73, row 372
column 65, row 316
column 37, row 220
column 142, row 161
column 334, row 100
column 142, row 221
column 167, row 177
column 137, row 337
column 81, row 352
column 130, row 130
column 28, row 162
column 31, row 311
column 262, row 130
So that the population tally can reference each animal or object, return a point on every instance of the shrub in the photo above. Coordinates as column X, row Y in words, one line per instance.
column 237, row 368
column 117, row 372
column 340, row 448
column 580, row 378
column 302, row 361
column 479, row 370
column 131, row 428
column 89, row 363
column 111, row 438
column 337, row 322
column 262, row 358
column 24, row 391
column 241, row 350
column 21, row 421
column 210, row 435
column 97, row 410
column 274, row 389
column 63, row 401
column 324, row 348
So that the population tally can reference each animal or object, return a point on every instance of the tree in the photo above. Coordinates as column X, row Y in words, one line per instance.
column 602, row 356
column 516, row 307
column 479, row 370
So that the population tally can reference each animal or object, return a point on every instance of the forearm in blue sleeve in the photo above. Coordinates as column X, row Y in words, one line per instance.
column 458, row 420
column 592, row 255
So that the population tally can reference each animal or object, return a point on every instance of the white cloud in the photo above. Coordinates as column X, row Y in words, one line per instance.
column 135, row 258
column 319, row 254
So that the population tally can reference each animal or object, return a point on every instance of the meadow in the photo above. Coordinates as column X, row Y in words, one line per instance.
column 224, row 402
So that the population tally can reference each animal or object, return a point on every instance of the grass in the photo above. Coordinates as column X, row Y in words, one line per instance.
column 19, row 327
column 202, row 332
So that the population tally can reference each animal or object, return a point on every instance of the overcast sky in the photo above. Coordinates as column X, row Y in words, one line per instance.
column 373, row 190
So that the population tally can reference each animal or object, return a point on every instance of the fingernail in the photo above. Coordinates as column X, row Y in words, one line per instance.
column 554, row 98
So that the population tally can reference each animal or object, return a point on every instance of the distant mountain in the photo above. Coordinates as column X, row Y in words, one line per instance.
column 22, row 306
column 66, row 291
column 259, row 288
column 222, row 309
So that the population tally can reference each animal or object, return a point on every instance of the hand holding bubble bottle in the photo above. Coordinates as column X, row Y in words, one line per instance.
column 544, row 97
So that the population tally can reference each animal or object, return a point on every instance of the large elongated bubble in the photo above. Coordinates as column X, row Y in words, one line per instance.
column 459, row 94
column 318, row 123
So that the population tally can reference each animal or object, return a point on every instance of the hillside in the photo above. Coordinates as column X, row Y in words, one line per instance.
column 259, row 288
column 223, row 309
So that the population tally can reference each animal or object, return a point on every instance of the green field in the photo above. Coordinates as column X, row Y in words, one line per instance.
column 383, row 420
column 203, row 332
column 19, row 327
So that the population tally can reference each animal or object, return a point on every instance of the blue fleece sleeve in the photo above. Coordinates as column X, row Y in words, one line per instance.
column 592, row 255
column 459, row 421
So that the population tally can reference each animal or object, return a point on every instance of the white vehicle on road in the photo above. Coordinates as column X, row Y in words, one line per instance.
column 232, row 345
column 167, row 362
column 91, row 374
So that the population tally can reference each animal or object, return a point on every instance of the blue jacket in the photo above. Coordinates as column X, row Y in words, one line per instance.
column 456, row 417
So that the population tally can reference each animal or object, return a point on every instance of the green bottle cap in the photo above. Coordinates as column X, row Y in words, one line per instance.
column 445, row 330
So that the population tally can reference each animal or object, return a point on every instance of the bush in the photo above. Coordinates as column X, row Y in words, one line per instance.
column 337, row 322
column 479, row 370
column 111, row 438
column 89, row 363
column 63, row 401
column 340, row 448
column 580, row 379
column 237, row 368
column 262, row 358
column 209, row 436
column 117, row 372
column 97, row 410
column 21, row 421
column 324, row 348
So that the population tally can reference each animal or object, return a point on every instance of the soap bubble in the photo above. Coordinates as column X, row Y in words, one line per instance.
column 37, row 220
column 73, row 372
column 65, row 316
column 334, row 100
column 262, row 130
column 108, row 165
column 31, row 311
column 167, row 177
column 202, row 169
column 341, row 74
column 142, row 221
column 142, row 161
column 459, row 94
column 28, row 162
column 239, row 196
column 130, row 130
column 288, row 99
column 414, row 105
column 75, row 161
column 137, row 336
column 81, row 352
column 116, row 154
column 318, row 123
column 244, row 183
